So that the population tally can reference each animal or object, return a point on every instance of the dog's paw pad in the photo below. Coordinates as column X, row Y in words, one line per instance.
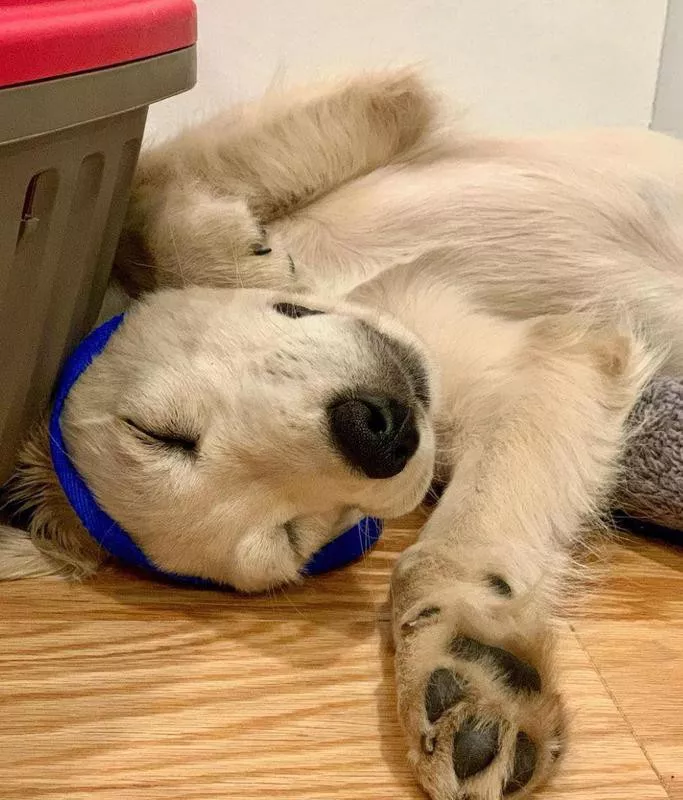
column 516, row 674
column 444, row 690
column 524, row 764
column 475, row 745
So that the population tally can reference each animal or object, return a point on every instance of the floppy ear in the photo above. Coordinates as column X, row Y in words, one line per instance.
column 54, row 542
column 20, row 558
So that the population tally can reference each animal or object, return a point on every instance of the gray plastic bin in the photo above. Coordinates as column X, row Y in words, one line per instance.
column 68, row 149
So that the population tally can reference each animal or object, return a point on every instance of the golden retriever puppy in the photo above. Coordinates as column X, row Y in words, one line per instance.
column 355, row 303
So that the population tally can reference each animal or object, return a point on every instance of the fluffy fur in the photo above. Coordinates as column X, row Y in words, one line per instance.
column 539, row 284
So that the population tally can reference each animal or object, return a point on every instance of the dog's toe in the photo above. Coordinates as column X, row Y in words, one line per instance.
column 475, row 745
column 523, row 765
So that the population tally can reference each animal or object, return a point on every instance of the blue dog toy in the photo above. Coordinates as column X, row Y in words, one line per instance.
column 347, row 547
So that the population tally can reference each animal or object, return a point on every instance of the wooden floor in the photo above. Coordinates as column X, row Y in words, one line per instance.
column 121, row 689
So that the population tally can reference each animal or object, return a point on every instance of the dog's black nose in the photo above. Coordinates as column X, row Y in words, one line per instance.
column 376, row 434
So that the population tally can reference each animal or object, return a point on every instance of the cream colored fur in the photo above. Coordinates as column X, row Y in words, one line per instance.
column 539, row 280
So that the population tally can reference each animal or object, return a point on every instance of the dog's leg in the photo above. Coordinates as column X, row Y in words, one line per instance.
column 473, row 598
column 200, row 201
column 291, row 148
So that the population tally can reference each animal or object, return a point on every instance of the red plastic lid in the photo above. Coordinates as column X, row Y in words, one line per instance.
column 49, row 38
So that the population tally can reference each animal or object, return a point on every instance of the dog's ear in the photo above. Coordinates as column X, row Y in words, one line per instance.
column 54, row 542
column 20, row 558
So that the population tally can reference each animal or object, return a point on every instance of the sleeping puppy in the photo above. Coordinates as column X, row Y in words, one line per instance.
column 353, row 303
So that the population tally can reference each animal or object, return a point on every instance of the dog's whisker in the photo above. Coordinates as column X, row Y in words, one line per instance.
column 59, row 447
column 285, row 594
column 155, row 267
column 177, row 255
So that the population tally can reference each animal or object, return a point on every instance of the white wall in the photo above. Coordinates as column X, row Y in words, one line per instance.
column 668, row 107
column 519, row 65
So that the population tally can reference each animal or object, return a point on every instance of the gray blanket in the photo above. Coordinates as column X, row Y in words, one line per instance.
column 651, row 486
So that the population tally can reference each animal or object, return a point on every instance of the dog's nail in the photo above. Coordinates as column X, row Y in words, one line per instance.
column 424, row 615
column 556, row 745
column 428, row 744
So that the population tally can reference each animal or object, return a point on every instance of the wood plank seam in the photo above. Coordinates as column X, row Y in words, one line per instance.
column 621, row 711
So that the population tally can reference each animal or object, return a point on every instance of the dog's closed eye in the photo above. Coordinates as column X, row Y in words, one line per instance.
column 167, row 438
column 261, row 248
column 294, row 311
column 292, row 535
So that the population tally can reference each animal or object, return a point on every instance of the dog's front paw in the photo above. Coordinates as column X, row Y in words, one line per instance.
column 195, row 238
column 475, row 689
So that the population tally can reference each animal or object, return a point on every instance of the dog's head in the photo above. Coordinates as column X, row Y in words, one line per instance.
column 233, row 433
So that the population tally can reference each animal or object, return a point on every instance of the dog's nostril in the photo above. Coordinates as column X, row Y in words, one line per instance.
column 403, row 452
column 378, row 420
column 378, row 435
